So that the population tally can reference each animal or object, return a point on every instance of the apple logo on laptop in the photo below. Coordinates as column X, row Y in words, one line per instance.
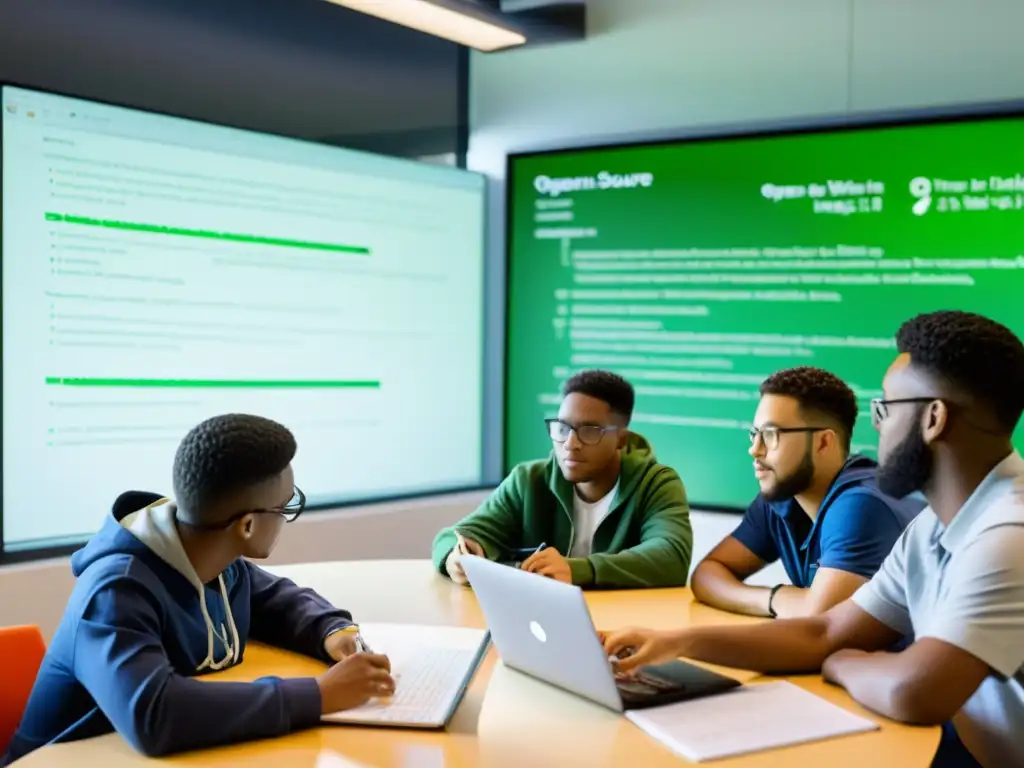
column 538, row 631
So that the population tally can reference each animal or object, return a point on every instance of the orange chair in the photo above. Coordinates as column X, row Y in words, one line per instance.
column 21, row 652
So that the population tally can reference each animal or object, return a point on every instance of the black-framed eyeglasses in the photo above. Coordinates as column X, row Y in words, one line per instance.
column 880, row 407
column 770, row 435
column 588, row 434
column 290, row 512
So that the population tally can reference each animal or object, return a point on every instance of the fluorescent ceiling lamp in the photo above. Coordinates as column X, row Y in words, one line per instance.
column 449, row 19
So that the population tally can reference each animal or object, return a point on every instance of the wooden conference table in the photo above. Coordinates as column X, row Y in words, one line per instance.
column 506, row 718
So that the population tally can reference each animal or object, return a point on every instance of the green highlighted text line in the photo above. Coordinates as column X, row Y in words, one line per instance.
column 234, row 237
column 63, row 381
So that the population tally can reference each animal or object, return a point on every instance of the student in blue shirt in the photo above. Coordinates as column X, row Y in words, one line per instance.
column 819, row 510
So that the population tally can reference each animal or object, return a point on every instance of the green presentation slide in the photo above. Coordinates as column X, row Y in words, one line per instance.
column 158, row 271
column 697, row 268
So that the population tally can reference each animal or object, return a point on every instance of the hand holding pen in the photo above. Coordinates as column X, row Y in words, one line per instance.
column 548, row 561
column 352, row 630
column 358, row 675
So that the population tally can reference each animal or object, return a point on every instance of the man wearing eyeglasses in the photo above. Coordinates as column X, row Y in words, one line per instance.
column 819, row 510
column 600, row 511
column 164, row 593
column 954, row 582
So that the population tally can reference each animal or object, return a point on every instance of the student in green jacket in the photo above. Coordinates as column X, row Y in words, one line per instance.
column 609, row 514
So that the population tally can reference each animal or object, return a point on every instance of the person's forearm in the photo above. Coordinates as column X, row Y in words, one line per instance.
column 654, row 563
column 185, row 717
column 161, row 713
column 713, row 583
column 792, row 603
column 291, row 617
column 444, row 543
column 876, row 681
column 792, row 646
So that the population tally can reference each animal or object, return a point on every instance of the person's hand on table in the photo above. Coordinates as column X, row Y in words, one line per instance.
column 453, row 563
column 638, row 647
column 354, row 681
column 548, row 562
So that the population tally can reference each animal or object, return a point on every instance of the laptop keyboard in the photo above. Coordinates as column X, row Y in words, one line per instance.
column 425, row 687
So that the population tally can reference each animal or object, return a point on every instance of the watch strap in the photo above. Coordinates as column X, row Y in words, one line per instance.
column 771, row 599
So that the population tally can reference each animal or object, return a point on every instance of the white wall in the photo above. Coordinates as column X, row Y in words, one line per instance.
column 658, row 66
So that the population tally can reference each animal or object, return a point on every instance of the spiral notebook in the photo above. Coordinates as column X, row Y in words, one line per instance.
column 753, row 718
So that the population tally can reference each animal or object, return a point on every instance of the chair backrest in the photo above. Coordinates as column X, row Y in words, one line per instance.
column 21, row 652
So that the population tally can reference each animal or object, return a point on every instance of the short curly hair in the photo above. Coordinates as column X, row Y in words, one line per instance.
column 226, row 454
column 977, row 355
column 820, row 394
column 606, row 386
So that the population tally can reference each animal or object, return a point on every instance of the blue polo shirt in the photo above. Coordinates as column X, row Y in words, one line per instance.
column 856, row 527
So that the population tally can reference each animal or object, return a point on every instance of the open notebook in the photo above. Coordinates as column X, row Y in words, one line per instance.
column 748, row 719
column 432, row 667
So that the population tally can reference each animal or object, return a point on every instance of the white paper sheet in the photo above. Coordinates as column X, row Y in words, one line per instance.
column 748, row 719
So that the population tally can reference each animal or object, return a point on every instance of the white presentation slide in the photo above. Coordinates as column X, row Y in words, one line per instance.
column 159, row 271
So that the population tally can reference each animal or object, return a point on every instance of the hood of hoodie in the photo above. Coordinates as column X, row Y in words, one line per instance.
column 637, row 457
column 143, row 524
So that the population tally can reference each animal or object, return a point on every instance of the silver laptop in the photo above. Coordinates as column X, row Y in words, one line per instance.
column 543, row 628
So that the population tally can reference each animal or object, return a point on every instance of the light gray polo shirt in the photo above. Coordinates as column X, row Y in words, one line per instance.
column 964, row 584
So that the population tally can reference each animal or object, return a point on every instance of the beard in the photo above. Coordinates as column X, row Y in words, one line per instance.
column 907, row 469
column 797, row 481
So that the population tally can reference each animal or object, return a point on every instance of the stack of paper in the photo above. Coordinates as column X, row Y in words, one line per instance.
column 748, row 719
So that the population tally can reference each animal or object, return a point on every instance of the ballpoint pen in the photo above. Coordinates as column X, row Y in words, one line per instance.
column 353, row 629
column 541, row 548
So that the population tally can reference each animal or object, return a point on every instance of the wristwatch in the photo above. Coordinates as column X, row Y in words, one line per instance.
column 771, row 598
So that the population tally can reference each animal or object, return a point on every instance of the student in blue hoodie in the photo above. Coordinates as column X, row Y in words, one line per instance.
column 819, row 510
column 163, row 594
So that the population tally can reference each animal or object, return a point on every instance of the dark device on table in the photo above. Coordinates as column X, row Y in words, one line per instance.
column 655, row 685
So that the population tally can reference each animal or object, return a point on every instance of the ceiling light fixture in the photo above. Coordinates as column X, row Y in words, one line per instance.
column 456, row 20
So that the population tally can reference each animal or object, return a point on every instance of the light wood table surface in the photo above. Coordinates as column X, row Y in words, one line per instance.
column 506, row 718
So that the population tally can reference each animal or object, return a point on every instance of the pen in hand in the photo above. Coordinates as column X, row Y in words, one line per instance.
column 361, row 645
column 541, row 548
